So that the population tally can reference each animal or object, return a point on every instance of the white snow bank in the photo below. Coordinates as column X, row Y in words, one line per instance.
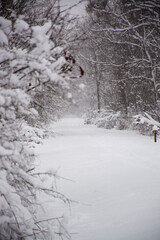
column 115, row 178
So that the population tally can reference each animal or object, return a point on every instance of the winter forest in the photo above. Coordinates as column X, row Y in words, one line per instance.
column 102, row 66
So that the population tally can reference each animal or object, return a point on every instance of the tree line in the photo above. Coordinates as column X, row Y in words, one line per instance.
column 121, row 52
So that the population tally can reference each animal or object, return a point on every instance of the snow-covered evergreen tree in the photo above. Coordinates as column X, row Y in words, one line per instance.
column 29, row 62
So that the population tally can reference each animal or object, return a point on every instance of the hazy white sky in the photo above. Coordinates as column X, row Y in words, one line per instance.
column 78, row 10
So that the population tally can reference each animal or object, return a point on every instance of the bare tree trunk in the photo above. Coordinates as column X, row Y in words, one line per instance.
column 98, row 80
column 98, row 95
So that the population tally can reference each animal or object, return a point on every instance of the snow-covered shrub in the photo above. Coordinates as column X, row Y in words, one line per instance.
column 22, row 71
column 109, row 119
column 145, row 124
column 106, row 119
column 90, row 117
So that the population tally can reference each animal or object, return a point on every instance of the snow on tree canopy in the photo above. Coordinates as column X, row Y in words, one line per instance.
column 82, row 86
column 57, row 50
column 41, row 39
column 4, row 152
column 40, row 32
column 14, row 80
column 69, row 95
column 5, row 25
column 3, row 38
column 5, row 29
column 20, row 26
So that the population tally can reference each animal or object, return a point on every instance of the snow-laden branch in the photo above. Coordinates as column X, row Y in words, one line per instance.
column 131, row 27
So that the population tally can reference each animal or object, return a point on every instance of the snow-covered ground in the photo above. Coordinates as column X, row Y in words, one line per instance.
column 115, row 181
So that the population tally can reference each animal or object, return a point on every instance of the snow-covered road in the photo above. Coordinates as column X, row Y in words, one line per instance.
column 115, row 178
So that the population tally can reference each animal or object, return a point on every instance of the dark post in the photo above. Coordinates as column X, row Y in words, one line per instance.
column 155, row 135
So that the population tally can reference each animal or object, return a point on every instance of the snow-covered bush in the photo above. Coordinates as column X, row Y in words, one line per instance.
column 109, row 119
column 145, row 124
column 106, row 119
column 23, row 70
column 90, row 117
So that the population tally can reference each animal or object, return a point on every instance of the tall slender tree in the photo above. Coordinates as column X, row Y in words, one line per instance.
column 126, row 36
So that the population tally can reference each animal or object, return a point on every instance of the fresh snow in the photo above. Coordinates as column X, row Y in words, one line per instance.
column 82, row 86
column 3, row 38
column 40, row 38
column 5, row 152
column 113, row 175
column 21, row 26
column 5, row 25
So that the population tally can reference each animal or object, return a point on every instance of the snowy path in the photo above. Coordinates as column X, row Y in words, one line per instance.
column 116, row 174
